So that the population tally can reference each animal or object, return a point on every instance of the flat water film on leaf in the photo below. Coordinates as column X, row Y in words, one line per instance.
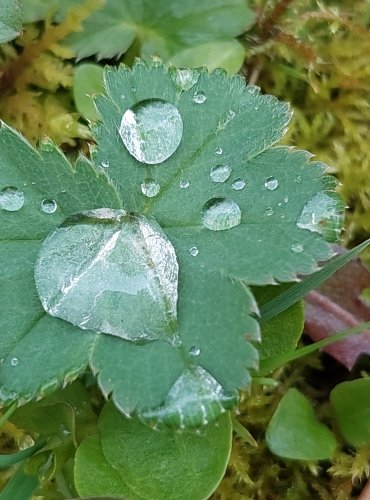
column 194, row 400
column 151, row 130
column 112, row 272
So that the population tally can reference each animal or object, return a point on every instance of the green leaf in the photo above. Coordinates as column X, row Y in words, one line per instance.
column 295, row 433
column 10, row 20
column 88, row 80
column 351, row 405
column 165, row 464
column 94, row 475
column 228, row 55
column 14, row 458
column 32, row 342
column 199, row 126
column 162, row 28
column 280, row 334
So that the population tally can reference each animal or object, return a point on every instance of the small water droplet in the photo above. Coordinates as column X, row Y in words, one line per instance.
column 256, row 108
column 14, row 361
column 11, row 199
column 218, row 151
column 297, row 248
column 194, row 351
column 220, row 173
column 122, row 96
column 282, row 217
column 105, row 164
column 238, row 184
column 269, row 211
column 133, row 90
column 221, row 213
column 280, row 204
column 225, row 120
column 194, row 251
column 286, row 199
column 298, row 179
column 150, row 188
column 271, row 183
column 199, row 98
column 151, row 130
column 49, row 206
column 184, row 184
column 185, row 79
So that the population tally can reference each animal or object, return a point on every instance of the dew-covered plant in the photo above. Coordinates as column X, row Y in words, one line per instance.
column 138, row 264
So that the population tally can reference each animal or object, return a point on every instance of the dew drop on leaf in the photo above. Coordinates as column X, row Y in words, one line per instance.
column 49, row 206
column 11, row 199
column 199, row 98
column 221, row 213
column 184, row 184
column 218, row 151
column 195, row 399
column 194, row 351
column 151, row 130
column 150, row 188
column 110, row 271
column 185, row 79
column 238, row 184
column 14, row 361
column 194, row 251
column 220, row 173
column 297, row 248
column 105, row 164
column 271, row 183
column 269, row 211
column 321, row 215
column 298, row 179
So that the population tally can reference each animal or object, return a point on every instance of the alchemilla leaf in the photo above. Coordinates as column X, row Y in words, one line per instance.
column 142, row 262
column 10, row 20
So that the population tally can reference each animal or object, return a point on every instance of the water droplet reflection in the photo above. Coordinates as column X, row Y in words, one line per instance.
column 151, row 130
column 220, row 214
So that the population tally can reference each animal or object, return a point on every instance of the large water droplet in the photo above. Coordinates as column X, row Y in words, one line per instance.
column 185, row 79
column 239, row 184
column 11, row 199
column 199, row 98
column 220, row 173
column 297, row 248
column 151, row 130
column 49, row 206
column 110, row 271
column 271, row 183
column 322, row 215
column 150, row 188
column 221, row 213
column 195, row 399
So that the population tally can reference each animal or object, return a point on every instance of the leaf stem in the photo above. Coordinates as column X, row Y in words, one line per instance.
column 9, row 412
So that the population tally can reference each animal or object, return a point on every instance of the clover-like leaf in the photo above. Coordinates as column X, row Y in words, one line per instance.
column 10, row 20
column 169, row 29
column 153, row 272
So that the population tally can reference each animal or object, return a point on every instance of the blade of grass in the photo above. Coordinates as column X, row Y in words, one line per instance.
column 14, row 458
column 295, row 293
column 270, row 364
column 20, row 487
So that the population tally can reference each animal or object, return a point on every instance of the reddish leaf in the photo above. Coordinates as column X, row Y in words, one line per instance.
column 335, row 306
